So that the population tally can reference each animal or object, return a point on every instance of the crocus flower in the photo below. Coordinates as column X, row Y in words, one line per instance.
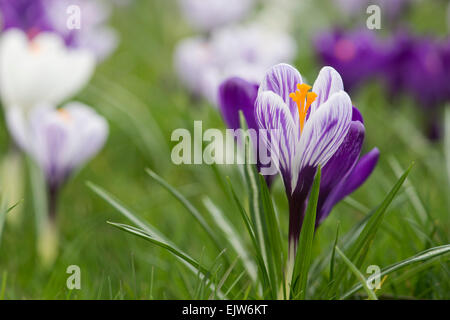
column 208, row 15
column 41, row 70
column 237, row 51
column 237, row 94
column 356, row 55
column 36, row 16
column 311, row 128
column 59, row 140
column 412, row 61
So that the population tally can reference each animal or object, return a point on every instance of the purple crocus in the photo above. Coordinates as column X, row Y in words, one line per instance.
column 415, row 61
column 59, row 140
column 356, row 55
column 36, row 16
column 237, row 94
column 420, row 66
column 307, row 129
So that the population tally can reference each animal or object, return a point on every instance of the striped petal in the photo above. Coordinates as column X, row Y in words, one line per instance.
column 282, row 79
column 327, row 83
column 273, row 115
column 323, row 133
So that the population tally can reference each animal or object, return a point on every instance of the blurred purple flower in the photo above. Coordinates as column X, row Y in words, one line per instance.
column 314, row 128
column 28, row 15
column 237, row 51
column 237, row 94
column 35, row 16
column 210, row 14
column 420, row 67
column 59, row 140
column 356, row 55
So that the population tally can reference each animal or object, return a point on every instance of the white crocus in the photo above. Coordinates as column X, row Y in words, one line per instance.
column 59, row 140
column 40, row 70
column 245, row 51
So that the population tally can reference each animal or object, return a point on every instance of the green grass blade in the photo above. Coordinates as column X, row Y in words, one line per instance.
column 447, row 141
column 3, row 212
column 3, row 287
column 333, row 254
column 232, row 236
column 420, row 257
column 224, row 277
column 253, row 188
column 159, row 242
column 248, row 224
column 304, row 249
column 191, row 209
column 127, row 213
column 358, row 274
column 262, row 215
column 272, row 232
column 358, row 251
column 146, row 227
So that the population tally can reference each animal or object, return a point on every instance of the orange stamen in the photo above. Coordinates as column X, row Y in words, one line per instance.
column 299, row 97
column 64, row 114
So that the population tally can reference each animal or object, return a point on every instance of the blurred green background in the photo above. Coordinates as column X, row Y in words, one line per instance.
column 137, row 90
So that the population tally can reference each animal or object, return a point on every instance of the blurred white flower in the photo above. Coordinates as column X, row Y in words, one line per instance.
column 59, row 140
column 206, row 15
column 41, row 70
column 242, row 51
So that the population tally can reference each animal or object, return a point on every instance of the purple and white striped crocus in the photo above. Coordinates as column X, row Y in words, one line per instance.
column 59, row 140
column 306, row 129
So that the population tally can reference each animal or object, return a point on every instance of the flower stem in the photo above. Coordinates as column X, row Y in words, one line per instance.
column 296, row 214
column 52, row 202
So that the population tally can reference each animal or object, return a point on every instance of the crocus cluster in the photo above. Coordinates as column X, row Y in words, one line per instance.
column 36, row 16
column 412, row 61
column 314, row 126
column 42, row 66
column 404, row 62
column 357, row 55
